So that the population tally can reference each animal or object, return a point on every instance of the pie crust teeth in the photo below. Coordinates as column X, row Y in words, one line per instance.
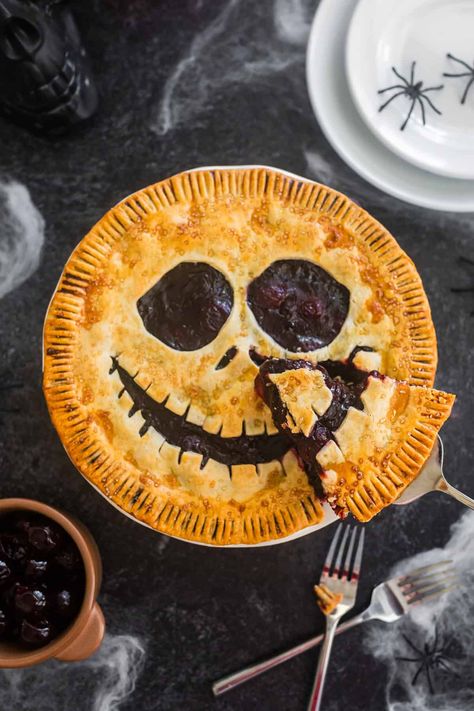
column 240, row 220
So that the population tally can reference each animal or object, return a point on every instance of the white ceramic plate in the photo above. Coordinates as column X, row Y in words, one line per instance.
column 349, row 135
column 395, row 33
column 329, row 515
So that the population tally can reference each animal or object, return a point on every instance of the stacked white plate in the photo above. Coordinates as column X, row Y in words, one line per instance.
column 377, row 73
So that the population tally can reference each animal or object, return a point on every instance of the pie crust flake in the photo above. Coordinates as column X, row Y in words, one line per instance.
column 161, row 318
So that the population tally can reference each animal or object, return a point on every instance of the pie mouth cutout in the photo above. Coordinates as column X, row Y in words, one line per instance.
column 243, row 449
column 189, row 437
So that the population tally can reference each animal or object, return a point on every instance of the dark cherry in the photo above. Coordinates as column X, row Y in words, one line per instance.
column 213, row 318
column 22, row 524
column 63, row 603
column 271, row 296
column 67, row 558
column 8, row 594
column 188, row 306
column 311, row 308
column 13, row 546
column 43, row 538
column 5, row 572
column 29, row 601
column 299, row 304
column 41, row 579
column 35, row 569
column 36, row 633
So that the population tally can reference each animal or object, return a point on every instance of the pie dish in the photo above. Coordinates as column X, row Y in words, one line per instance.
column 362, row 437
column 166, row 309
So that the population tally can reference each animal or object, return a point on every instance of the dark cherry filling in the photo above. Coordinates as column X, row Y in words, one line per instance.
column 256, row 357
column 245, row 449
column 298, row 304
column 41, row 579
column 346, row 383
column 227, row 358
column 188, row 306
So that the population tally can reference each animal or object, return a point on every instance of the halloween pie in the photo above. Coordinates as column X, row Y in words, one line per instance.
column 168, row 307
column 360, row 435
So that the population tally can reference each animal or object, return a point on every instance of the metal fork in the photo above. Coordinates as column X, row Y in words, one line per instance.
column 390, row 600
column 342, row 580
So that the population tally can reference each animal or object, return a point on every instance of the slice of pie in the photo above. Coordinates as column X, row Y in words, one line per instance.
column 152, row 337
column 360, row 435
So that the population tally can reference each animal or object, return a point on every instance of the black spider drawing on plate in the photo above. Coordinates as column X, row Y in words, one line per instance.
column 412, row 90
column 469, row 73
column 429, row 658
column 464, row 289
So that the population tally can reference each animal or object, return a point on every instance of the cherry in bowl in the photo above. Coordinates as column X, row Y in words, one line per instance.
column 42, row 579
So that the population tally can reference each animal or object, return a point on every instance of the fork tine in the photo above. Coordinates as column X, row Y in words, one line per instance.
column 423, row 579
column 428, row 579
column 358, row 557
column 331, row 551
column 347, row 561
column 337, row 565
column 422, row 570
column 436, row 591
column 419, row 589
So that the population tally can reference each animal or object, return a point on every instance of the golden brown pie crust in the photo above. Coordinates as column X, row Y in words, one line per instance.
column 239, row 220
column 407, row 433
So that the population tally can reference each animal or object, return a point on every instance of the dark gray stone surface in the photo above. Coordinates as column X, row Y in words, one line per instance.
column 203, row 612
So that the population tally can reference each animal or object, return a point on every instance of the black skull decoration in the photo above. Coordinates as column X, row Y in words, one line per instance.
column 45, row 79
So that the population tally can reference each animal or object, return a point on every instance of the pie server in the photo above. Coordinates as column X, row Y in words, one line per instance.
column 431, row 478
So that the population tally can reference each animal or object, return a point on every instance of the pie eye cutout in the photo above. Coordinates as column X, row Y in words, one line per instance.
column 188, row 306
column 300, row 305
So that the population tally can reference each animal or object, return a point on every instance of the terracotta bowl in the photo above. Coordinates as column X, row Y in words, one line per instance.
column 84, row 636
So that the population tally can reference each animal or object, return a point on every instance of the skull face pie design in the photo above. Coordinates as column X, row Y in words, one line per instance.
column 296, row 302
column 161, row 319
